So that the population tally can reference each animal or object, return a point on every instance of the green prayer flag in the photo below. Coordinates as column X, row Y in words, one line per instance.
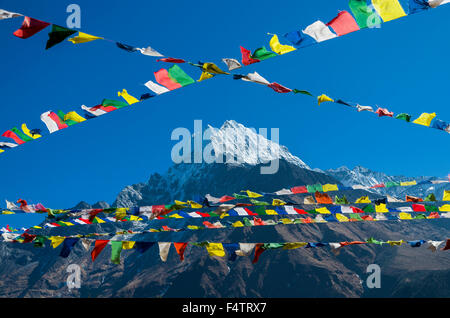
column 374, row 241
column 364, row 16
column 272, row 246
column 368, row 208
column 57, row 35
column 116, row 248
column 260, row 211
column 431, row 208
column 392, row 184
column 263, row 54
column 21, row 135
column 247, row 222
column 430, row 197
column 404, row 116
column 342, row 200
column 239, row 196
column 315, row 187
column 296, row 91
column 256, row 202
column 111, row 102
column 420, row 216
column 355, row 216
column 179, row 76
column 39, row 241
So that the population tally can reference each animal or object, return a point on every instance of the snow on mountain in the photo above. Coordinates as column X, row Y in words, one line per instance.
column 237, row 141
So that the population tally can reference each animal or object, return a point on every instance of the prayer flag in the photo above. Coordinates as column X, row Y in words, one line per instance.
column 299, row 39
column 180, row 248
column 280, row 48
column 403, row 116
column 279, row 88
column 319, row 31
column 130, row 99
column 116, row 249
column 425, row 119
column 83, row 38
column 262, row 54
column 68, row 245
column 246, row 57
column 389, row 9
column 324, row 98
column 99, row 246
column 57, row 35
column 30, row 27
column 215, row 249
column 8, row 15
column 52, row 121
column 232, row 64
column 365, row 16
column 343, row 24
column 384, row 112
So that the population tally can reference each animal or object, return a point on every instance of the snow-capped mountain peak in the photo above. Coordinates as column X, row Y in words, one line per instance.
column 244, row 145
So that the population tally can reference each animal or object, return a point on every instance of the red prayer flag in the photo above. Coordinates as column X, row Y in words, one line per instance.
column 258, row 221
column 205, row 215
column 344, row 23
column 434, row 215
column 307, row 220
column 30, row 27
column 246, row 57
column 419, row 208
column 300, row 189
column 300, row 211
column 162, row 77
column 380, row 185
column 279, row 88
column 171, row 60
column 99, row 246
column 226, row 198
column 12, row 135
column 28, row 237
column 323, row 198
column 258, row 252
column 250, row 212
column 357, row 210
column 384, row 112
column 180, row 247
column 209, row 225
column 447, row 245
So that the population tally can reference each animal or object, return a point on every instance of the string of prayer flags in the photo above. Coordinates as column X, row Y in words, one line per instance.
column 343, row 24
column 17, row 136
column 83, row 38
column 8, row 15
column 30, row 27
column 57, row 35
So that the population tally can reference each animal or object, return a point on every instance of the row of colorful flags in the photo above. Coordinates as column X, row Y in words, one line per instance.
column 231, row 250
column 364, row 16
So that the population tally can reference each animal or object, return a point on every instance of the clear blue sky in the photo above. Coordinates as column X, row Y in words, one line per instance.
column 401, row 66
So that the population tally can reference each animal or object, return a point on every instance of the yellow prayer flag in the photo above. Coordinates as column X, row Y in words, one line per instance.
column 98, row 220
column 1, row 151
column 286, row 221
column 83, row 38
column 175, row 216
column 28, row 132
column 213, row 69
column 67, row 223
column 128, row 245
column 271, row 212
column 446, row 196
column 389, row 9
column 381, row 208
column 364, row 199
column 253, row 194
column 7, row 212
column 445, row 208
column 204, row 76
column 280, row 48
column 330, row 187
column 179, row 202
column 425, row 119
column 404, row 216
column 56, row 240
column 130, row 99
column 74, row 116
column 120, row 213
column 324, row 98
column 293, row 245
column 135, row 218
column 215, row 249
column 193, row 227
column 341, row 217
column 323, row 210
column 195, row 205
column 237, row 224
column 398, row 243
column 278, row 202
column 408, row 183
